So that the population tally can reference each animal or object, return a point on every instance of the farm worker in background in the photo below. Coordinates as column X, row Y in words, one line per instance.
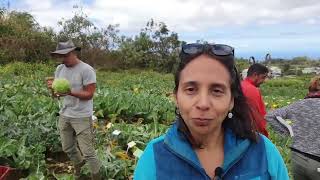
column 75, row 116
column 256, row 75
column 213, row 136
column 303, row 124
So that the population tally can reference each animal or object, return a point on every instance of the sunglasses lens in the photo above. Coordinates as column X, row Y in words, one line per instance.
column 222, row 50
column 192, row 48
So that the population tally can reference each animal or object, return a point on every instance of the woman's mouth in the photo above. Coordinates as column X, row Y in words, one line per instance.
column 201, row 121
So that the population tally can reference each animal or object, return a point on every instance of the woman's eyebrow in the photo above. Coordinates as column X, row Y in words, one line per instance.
column 213, row 85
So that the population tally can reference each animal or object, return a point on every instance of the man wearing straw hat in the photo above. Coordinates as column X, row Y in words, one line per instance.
column 75, row 114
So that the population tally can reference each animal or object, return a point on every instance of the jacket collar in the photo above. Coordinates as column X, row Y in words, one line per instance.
column 234, row 147
column 180, row 145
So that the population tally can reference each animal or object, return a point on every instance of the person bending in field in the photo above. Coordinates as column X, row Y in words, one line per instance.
column 303, row 124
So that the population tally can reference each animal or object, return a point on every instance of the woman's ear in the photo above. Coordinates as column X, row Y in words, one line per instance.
column 175, row 99
column 231, row 104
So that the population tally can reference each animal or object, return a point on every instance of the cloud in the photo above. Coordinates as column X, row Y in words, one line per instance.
column 201, row 15
column 179, row 15
column 39, row 5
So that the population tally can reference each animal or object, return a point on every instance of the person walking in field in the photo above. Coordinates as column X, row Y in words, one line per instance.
column 301, row 120
column 256, row 75
column 75, row 123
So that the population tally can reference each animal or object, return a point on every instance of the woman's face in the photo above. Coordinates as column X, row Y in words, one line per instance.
column 204, row 95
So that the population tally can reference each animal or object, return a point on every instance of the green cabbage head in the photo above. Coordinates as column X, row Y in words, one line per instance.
column 61, row 86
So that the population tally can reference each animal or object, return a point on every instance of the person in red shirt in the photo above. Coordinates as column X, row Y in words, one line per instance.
column 256, row 75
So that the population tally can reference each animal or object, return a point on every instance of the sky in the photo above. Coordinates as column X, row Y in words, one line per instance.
column 283, row 28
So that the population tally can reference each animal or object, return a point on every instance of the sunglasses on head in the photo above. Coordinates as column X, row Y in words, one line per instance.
column 215, row 49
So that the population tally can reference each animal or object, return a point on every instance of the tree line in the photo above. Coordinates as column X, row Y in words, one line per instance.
column 23, row 39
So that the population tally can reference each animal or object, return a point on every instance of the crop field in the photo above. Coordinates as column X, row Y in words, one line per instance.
column 137, row 103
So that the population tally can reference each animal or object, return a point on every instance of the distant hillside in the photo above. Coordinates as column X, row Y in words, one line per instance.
column 288, row 66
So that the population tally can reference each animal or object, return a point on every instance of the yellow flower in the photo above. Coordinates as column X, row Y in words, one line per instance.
column 109, row 125
column 122, row 155
column 113, row 144
column 95, row 125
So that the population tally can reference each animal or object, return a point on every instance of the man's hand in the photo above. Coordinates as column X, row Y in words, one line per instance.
column 49, row 81
column 63, row 94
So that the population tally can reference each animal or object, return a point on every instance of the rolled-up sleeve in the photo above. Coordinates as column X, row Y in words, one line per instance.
column 274, row 123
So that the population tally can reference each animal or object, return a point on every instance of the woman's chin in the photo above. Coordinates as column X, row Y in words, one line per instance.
column 201, row 130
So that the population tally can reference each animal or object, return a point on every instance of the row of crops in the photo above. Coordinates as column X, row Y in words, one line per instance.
column 137, row 103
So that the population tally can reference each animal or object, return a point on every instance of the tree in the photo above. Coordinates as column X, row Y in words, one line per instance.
column 95, row 42
column 22, row 38
column 155, row 47
column 300, row 60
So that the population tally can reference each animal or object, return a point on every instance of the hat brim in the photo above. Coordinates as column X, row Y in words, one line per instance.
column 65, row 51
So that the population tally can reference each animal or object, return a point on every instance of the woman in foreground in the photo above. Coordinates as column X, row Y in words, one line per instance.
column 213, row 136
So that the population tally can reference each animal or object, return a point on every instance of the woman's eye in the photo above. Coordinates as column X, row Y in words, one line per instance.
column 217, row 91
column 190, row 90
